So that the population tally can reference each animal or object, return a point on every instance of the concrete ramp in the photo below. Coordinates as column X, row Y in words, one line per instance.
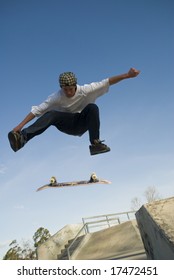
column 117, row 242
column 51, row 248
column 156, row 224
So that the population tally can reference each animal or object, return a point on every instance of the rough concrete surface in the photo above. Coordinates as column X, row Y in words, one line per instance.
column 121, row 241
column 156, row 224
column 50, row 249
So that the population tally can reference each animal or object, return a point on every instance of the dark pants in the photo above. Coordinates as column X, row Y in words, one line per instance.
column 70, row 123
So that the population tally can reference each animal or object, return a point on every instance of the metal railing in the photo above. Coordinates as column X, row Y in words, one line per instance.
column 74, row 240
column 110, row 220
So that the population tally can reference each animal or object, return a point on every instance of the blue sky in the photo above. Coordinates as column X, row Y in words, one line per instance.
column 94, row 39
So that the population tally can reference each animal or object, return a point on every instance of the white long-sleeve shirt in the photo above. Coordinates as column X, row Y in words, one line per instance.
column 84, row 95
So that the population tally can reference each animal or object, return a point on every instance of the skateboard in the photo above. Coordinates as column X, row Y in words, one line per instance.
column 54, row 184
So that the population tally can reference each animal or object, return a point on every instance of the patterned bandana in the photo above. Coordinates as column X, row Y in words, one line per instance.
column 67, row 79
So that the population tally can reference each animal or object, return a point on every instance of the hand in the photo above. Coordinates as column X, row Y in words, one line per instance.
column 17, row 128
column 133, row 73
column 27, row 119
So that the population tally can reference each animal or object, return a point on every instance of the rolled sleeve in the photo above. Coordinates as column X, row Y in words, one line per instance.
column 97, row 88
column 37, row 110
column 46, row 106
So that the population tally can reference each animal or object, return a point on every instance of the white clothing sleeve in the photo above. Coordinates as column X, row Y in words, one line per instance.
column 47, row 105
column 84, row 95
column 96, row 88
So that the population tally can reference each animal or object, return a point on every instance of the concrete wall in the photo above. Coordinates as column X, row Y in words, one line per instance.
column 156, row 225
column 50, row 249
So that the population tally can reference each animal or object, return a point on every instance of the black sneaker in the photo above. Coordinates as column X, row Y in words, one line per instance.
column 16, row 140
column 98, row 147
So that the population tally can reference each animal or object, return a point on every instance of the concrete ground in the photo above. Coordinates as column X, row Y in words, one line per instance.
column 118, row 242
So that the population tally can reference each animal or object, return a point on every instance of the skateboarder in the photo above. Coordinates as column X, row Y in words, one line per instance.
column 71, row 110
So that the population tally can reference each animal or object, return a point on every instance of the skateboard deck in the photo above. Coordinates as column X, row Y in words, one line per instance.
column 54, row 184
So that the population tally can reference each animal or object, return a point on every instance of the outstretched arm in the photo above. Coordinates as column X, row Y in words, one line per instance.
column 130, row 74
column 27, row 119
column 37, row 111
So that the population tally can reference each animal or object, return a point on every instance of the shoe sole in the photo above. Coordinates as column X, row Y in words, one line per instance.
column 100, row 152
column 13, row 141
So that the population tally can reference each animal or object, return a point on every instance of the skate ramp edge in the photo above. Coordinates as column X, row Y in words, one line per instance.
column 156, row 224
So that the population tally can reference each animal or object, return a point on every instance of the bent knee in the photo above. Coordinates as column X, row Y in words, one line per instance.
column 92, row 107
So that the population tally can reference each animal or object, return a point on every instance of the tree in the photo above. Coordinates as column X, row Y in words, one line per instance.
column 20, row 252
column 151, row 194
column 40, row 236
column 27, row 250
column 135, row 203
column 14, row 253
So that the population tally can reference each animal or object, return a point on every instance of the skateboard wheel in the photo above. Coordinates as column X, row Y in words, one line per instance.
column 53, row 180
column 94, row 176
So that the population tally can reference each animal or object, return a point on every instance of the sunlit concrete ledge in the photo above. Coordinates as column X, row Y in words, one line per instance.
column 156, row 225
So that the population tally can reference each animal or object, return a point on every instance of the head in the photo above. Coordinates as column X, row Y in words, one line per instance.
column 68, row 82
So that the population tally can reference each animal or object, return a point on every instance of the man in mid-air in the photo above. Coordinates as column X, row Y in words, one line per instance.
column 71, row 110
